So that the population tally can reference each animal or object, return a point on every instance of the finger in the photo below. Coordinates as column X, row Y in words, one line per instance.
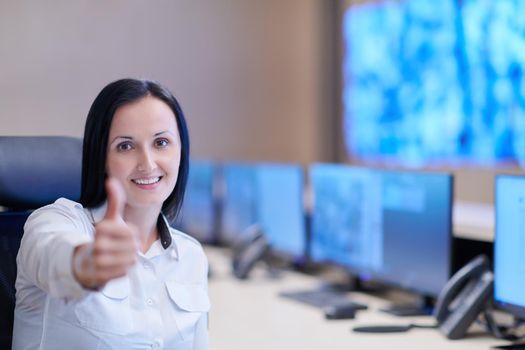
column 120, row 233
column 109, row 243
column 116, row 199
column 110, row 262
column 106, row 275
column 114, row 230
column 111, row 249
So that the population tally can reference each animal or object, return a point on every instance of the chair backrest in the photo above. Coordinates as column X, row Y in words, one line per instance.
column 34, row 171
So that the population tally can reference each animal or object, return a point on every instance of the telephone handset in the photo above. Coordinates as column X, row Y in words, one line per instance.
column 250, row 249
column 464, row 297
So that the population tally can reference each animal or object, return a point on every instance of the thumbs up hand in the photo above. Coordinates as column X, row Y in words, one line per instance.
column 114, row 248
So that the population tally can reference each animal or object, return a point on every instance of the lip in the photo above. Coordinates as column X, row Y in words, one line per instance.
column 147, row 182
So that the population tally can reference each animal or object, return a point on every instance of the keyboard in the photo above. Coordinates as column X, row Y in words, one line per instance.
column 322, row 298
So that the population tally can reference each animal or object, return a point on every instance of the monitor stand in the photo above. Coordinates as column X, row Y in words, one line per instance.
column 423, row 307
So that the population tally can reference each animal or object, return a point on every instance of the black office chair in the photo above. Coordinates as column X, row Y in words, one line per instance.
column 34, row 171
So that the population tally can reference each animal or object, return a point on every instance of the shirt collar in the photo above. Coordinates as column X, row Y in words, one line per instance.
column 97, row 214
column 164, row 232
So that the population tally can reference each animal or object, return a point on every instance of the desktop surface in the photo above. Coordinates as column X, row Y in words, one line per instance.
column 250, row 315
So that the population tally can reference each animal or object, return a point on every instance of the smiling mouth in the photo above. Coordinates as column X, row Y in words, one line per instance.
column 149, row 181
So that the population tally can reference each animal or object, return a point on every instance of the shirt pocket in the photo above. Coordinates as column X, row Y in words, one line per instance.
column 107, row 311
column 190, row 302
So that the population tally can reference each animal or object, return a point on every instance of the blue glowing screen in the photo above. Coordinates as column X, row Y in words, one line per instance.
column 417, row 230
column 280, row 207
column 239, row 202
column 270, row 195
column 346, row 217
column 509, row 244
column 395, row 227
column 435, row 82
column 198, row 215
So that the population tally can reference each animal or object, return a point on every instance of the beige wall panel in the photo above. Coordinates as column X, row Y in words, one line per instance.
column 247, row 72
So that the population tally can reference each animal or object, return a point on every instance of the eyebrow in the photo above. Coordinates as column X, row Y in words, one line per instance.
column 131, row 138
column 121, row 137
column 163, row 132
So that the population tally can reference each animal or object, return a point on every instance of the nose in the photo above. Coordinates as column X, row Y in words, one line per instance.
column 146, row 161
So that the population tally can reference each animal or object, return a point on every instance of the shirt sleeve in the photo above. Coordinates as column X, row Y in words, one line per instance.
column 201, row 333
column 201, row 328
column 46, row 250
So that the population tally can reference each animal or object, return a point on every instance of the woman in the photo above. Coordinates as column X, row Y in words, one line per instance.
column 109, row 272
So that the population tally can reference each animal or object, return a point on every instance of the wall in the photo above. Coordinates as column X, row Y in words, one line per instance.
column 252, row 76
column 257, row 79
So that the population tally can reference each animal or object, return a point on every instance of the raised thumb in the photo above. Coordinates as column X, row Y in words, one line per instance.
column 116, row 199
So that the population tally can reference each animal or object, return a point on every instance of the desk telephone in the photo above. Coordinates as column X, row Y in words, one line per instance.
column 464, row 297
column 248, row 250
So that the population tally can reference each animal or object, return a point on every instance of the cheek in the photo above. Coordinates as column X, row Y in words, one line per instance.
column 116, row 167
column 171, row 166
column 174, row 169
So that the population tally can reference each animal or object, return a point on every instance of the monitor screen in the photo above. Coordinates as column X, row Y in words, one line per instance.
column 394, row 227
column 280, row 209
column 346, row 216
column 239, row 200
column 198, row 215
column 509, row 244
column 410, row 67
column 416, row 230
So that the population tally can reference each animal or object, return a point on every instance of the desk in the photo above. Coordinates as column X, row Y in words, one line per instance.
column 249, row 315
column 474, row 221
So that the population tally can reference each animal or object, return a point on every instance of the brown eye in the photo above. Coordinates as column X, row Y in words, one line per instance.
column 161, row 143
column 124, row 146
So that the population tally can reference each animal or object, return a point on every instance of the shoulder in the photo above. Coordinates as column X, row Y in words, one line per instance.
column 185, row 239
column 191, row 257
column 61, row 211
column 188, row 248
column 61, row 205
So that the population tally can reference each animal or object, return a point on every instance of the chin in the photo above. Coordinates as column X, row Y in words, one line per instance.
column 142, row 200
column 142, row 204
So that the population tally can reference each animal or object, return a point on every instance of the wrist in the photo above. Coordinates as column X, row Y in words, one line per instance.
column 82, row 268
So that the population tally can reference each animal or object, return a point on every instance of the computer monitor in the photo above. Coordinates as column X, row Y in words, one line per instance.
column 345, row 217
column 198, row 216
column 239, row 201
column 280, row 208
column 509, row 244
column 416, row 230
column 392, row 227
column 344, row 230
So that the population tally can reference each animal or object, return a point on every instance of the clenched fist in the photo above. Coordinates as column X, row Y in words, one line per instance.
column 114, row 248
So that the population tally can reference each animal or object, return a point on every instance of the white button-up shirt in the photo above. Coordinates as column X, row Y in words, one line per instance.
column 162, row 303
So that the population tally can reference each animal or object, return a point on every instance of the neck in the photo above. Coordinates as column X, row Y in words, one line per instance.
column 145, row 220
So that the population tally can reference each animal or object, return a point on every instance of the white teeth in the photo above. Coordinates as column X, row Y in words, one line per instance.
column 146, row 181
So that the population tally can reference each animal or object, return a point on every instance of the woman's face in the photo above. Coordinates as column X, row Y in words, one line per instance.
column 144, row 151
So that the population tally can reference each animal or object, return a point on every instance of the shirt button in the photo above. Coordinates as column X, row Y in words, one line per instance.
column 149, row 302
column 147, row 266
